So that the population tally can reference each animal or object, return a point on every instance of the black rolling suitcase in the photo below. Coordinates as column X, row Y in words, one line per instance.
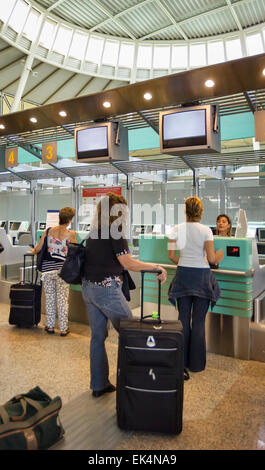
column 25, row 300
column 150, row 373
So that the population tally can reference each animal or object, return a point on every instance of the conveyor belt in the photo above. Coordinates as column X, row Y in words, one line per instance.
column 90, row 424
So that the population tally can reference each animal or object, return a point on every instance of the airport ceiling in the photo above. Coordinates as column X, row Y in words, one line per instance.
column 139, row 20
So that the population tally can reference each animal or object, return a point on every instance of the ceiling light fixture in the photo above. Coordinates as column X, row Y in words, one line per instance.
column 263, row 72
column 63, row 113
column 148, row 96
column 33, row 119
column 209, row 83
column 2, row 126
column 107, row 104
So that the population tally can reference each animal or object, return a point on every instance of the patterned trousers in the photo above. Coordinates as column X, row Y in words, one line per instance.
column 56, row 294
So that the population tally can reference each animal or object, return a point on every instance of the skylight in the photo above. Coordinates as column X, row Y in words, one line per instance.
column 179, row 57
column 144, row 59
column 197, row 55
column 254, row 44
column 110, row 54
column 62, row 40
column 233, row 49
column 18, row 16
column 47, row 34
column 6, row 9
column 216, row 53
column 32, row 25
column 78, row 46
column 126, row 55
column 161, row 57
column 94, row 50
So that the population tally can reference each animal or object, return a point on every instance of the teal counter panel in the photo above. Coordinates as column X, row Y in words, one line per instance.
column 243, row 262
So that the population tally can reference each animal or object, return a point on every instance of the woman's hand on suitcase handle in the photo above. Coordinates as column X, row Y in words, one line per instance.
column 163, row 276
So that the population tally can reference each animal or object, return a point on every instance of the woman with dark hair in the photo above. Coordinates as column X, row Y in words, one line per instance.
column 56, row 290
column 107, row 254
column 223, row 226
column 194, row 285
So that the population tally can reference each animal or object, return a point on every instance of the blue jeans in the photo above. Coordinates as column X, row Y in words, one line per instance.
column 195, row 308
column 102, row 303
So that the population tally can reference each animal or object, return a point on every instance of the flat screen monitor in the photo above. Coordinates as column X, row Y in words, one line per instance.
column 261, row 234
column 15, row 225
column 190, row 130
column 184, row 129
column 3, row 224
column 92, row 142
column 42, row 226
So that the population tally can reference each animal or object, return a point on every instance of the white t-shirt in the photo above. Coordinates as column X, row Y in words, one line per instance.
column 190, row 238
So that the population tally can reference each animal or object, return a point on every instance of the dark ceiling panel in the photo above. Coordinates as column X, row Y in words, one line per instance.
column 230, row 78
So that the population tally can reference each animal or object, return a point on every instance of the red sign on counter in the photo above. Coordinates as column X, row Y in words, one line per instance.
column 98, row 192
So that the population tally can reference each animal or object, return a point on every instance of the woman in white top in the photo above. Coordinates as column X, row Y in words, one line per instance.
column 194, row 285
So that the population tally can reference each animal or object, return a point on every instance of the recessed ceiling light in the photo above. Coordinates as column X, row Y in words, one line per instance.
column 263, row 72
column 106, row 104
column 33, row 119
column 63, row 113
column 2, row 126
column 148, row 96
column 209, row 83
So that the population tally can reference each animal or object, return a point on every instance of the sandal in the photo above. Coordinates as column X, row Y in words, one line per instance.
column 50, row 331
column 65, row 333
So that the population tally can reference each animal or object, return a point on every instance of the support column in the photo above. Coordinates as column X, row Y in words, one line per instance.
column 76, row 189
column 196, row 183
column 130, row 187
column 33, row 187
column 27, row 69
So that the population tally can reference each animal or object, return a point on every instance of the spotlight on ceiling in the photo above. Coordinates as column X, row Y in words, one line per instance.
column 209, row 83
column 63, row 113
column 2, row 126
column 33, row 119
column 107, row 104
column 148, row 96
column 263, row 72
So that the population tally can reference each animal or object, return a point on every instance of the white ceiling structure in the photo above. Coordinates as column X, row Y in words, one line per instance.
column 56, row 50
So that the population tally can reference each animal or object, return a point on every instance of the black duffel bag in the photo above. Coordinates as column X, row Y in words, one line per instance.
column 30, row 421
column 73, row 267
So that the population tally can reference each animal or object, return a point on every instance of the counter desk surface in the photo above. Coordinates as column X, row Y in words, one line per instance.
column 239, row 275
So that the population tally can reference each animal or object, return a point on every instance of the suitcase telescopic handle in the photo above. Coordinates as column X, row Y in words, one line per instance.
column 24, row 268
column 143, row 272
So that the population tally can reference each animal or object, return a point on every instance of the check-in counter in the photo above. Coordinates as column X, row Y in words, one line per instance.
column 242, row 283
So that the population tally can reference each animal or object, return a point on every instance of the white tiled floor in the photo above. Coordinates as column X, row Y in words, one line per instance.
column 223, row 406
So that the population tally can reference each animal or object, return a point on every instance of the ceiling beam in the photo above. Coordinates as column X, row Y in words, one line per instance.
column 116, row 17
column 55, row 5
column 116, row 20
column 232, row 10
column 201, row 15
column 172, row 19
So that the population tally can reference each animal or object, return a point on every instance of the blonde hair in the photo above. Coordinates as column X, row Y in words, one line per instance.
column 65, row 215
column 194, row 208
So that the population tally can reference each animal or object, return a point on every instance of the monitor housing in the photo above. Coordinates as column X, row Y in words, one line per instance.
column 190, row 130
column 101, row 142
column 261, row 234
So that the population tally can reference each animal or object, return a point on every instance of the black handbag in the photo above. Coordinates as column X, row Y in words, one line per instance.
column 1, row 248
column 127, row 285
column 73, row 267
column 42, row 252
